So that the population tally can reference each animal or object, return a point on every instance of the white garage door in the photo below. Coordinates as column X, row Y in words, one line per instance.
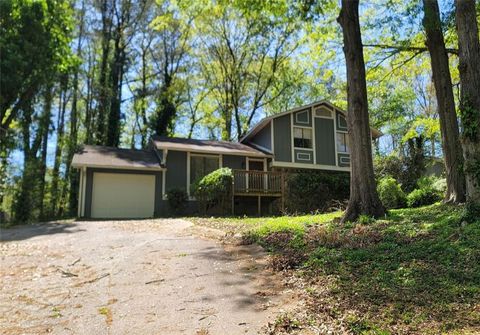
column 117, row 195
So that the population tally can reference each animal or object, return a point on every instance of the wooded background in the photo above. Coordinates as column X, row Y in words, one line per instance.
column 113, row 72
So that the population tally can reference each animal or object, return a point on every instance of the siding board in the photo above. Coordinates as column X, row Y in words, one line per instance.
column 282, row 138
column 325, row 141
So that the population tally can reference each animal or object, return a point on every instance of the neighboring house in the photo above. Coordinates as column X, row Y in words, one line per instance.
column 128, row 183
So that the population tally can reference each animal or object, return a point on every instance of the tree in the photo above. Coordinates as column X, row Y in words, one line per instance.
column 172, row 29
column 445, row 103
column 363, row 193
column 469, row 67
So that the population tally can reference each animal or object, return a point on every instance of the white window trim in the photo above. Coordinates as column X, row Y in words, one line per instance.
column 303, row 111
column 335, row 138
column 336, row 148
column 332, row 112
column 303, row 159
column 293, row 138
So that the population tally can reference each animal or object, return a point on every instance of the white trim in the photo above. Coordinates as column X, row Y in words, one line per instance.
column 314, row 144
column 292, row 154
column 334, row 108
column 80, row 195
column 345, row 157
column 84, row 190
column 210, row 152
column 98, row 166
column 293, row 137
column 310, row 166
column 308, row 149
column 306, row 154
column 307, row 110
column 303, row 127
column 332, row 112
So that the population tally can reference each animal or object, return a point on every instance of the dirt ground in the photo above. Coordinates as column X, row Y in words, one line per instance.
column 132, row 277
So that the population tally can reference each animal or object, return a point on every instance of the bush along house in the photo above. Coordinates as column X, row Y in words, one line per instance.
column 129, row 183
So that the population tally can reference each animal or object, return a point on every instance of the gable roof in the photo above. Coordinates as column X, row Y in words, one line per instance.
column 206, row 146
column 115, row 158
column 260, row 125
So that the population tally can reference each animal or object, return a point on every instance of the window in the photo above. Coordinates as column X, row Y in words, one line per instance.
column 342, row 142
column 323, row 112
column 302, row 137
column 200, row 166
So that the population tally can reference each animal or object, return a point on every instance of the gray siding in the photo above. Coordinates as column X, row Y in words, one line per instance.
column 176, row 171
column 89, row 187
column 325, row 141
column 303, row 156
column 264, row 137
column 282, row 138
column 234, row 162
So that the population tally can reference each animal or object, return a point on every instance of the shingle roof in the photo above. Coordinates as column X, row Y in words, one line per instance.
column 109, row 157
column 206, row 146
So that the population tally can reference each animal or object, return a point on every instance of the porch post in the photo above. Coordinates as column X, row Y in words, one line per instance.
column 259, row 205
column 282, row 176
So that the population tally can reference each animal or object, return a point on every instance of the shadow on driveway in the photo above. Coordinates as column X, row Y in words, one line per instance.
column 24, row 232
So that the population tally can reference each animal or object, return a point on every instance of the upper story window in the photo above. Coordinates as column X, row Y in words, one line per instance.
column 302, row 137
column 343, row 145
column 323, row 112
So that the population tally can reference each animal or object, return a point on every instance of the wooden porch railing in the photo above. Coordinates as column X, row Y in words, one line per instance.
column 267, row 183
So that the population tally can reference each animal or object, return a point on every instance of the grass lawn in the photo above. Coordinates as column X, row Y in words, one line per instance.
column 415, row 272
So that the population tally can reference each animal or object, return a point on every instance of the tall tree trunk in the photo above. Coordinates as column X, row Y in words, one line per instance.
column 58, row 151
column 469, row 67
column 446, row 103
column 44, row 127
column 73, row 137
column 166, row 110
column 104, row 83
column 363, row 193
column 116, row 73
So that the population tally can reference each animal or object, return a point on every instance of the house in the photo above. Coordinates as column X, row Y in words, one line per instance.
column 129, row 183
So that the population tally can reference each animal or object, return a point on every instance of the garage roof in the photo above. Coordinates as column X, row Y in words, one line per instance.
column 206, row 146
column 115, row 158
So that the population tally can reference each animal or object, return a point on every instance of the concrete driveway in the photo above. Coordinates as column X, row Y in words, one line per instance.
column 131, row 277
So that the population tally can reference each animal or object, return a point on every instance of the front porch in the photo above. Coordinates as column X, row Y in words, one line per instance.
column 259, row 184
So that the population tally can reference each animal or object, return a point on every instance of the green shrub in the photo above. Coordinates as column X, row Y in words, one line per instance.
column 312, row 191
column 215, row 190
column 391, row 193
column 422, row 197
column 177, row 199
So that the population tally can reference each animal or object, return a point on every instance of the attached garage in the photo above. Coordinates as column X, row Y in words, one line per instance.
column 118, row 195
column 119, row 183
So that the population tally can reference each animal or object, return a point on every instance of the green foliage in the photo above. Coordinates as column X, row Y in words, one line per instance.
column 406, row 170
column 420, row 262
column 390, row 193
column 422, row 196
column 177, row 199
column 215, row 189
column 314, row 190
column 34, row 39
